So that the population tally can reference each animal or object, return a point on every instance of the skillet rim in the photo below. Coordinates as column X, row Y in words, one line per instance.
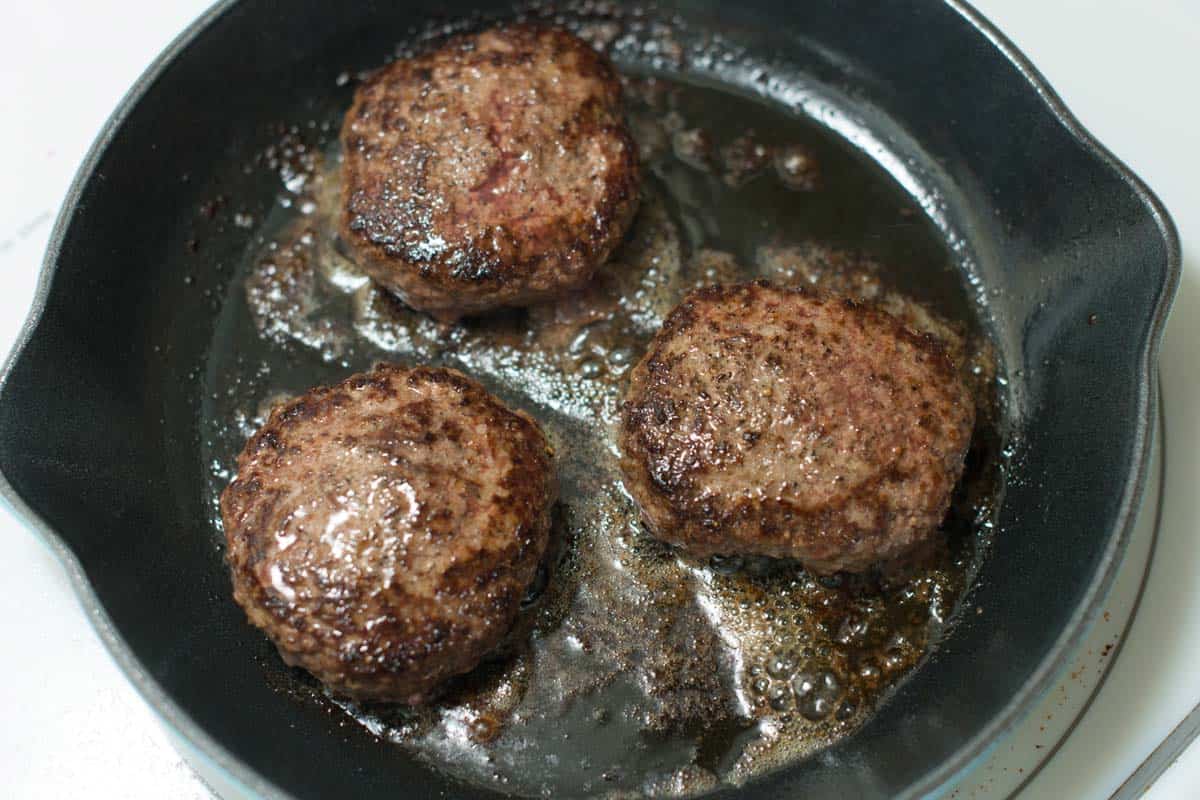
column 245, row 779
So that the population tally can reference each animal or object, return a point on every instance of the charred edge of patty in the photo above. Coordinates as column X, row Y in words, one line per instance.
column 683, row 317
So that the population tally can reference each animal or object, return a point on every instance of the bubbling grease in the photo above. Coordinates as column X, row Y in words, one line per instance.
column 633, row 670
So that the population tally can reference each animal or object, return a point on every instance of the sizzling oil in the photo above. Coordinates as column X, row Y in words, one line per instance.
column 633, row 670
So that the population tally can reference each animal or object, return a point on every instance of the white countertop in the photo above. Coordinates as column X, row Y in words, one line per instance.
column 71, row 723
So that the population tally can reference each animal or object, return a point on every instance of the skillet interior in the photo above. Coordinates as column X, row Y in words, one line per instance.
column 1054, row 232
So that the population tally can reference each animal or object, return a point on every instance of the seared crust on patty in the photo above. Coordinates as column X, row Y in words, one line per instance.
column 494, row 171
column 782, row 423
column 383, row 531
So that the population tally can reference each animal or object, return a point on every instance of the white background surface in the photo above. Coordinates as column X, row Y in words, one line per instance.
column 69, row 722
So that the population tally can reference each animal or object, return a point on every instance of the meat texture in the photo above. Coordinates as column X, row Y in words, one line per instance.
column 786, row 423
column 494, row 171
column 383, row 531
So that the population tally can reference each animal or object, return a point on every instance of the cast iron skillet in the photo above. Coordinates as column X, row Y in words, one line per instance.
column 99, row 444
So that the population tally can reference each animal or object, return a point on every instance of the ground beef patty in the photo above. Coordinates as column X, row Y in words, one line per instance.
column 384, row 530
column 494, row 171
column 783, row 423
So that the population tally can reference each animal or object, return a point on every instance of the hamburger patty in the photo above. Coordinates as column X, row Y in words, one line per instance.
column 778, row 422
column 383, row 531
column 494, row 171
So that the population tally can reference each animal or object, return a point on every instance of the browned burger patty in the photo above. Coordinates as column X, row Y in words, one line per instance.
column 494, row 171
column 383, row 531
column 777, row 422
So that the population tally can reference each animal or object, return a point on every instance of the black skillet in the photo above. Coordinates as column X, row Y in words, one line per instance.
column 99, row 442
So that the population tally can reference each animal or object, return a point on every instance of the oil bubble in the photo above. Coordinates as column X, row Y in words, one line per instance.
column 781, row 666
column 780, row 697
